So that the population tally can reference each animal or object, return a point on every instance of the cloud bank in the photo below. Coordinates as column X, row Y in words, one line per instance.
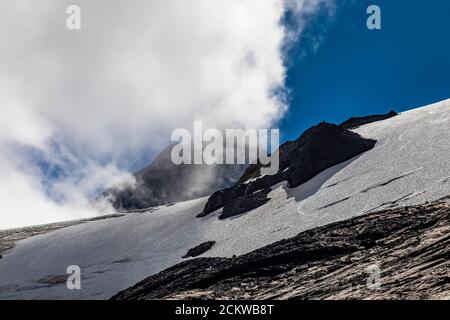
column 78, row 107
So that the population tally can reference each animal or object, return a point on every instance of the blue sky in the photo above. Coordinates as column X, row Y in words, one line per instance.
column 356, row 71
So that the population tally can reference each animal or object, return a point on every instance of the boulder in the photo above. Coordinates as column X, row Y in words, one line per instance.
column 198, row 250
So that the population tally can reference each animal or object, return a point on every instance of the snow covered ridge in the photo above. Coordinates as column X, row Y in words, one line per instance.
column 408, row 165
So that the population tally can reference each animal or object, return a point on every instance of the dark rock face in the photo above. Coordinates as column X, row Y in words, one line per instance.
column 322, row 147
column 243, row 204
column 163, row 182
column 410, row 246
column 200, row 249
column 317, row 149
column 220, row 198
column 355, row 122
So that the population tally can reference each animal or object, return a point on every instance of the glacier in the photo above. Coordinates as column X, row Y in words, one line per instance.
column 409, row 165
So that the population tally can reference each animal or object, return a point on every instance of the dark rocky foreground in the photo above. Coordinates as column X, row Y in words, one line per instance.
column 409, row 247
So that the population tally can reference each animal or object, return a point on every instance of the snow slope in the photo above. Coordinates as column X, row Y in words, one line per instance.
column 409, row 165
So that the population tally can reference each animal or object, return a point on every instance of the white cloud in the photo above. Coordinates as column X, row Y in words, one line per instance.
column 116, row 89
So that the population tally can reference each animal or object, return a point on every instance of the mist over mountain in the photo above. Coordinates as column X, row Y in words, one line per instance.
column 163, row 182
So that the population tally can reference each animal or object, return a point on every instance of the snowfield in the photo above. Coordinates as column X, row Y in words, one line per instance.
column 409, row 165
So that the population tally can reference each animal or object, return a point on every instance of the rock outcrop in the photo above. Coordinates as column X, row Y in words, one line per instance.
column 317, row 149
column 200, row 249
column 356, row 122
column 400, row 253
column 244, row 204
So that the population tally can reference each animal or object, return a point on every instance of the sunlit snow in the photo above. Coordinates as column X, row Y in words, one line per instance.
column 409, row 165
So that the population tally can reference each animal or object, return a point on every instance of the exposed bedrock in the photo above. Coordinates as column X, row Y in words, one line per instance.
column 244, row 204
column 317, row 149
column 200, row 249
column 356, row 122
